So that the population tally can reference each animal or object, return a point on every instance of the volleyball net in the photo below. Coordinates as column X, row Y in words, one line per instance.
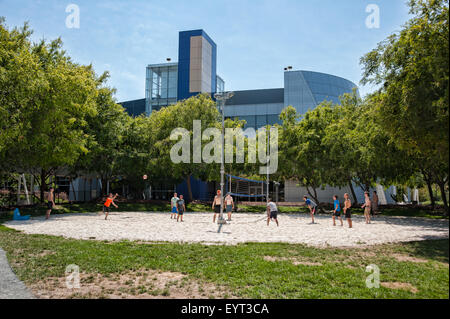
column 245, row 187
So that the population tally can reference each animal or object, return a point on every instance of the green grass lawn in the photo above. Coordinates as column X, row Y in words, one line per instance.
column 252, row 270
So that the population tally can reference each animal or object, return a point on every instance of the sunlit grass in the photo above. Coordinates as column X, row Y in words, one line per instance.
column 292, row 271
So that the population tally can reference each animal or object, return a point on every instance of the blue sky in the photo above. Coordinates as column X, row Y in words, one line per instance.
column 256, row 39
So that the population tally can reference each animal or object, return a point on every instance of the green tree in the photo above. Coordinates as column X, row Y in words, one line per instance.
column 17, row 90
column 360, row 149
column 48, row 119
column 182, row 115
column 105, row 132
column 304, row 156
column 413, row 71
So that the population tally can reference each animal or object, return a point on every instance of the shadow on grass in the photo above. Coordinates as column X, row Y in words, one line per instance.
column 437, row 250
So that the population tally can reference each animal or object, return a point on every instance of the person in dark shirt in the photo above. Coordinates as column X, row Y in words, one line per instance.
column 181, row 208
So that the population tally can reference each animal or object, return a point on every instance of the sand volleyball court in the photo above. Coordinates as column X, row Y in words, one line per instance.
column 199, row 228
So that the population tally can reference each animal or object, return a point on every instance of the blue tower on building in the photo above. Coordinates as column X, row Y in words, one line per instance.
column 197, row 57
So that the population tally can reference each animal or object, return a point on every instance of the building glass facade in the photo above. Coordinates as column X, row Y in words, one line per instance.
column 220, row 84
column 257, row 107
column 304, row 90
column 161, row 85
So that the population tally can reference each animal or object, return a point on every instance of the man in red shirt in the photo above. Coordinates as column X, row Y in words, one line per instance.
column 107, row 204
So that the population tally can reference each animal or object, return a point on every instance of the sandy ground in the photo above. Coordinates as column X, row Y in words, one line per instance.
column 198, row 227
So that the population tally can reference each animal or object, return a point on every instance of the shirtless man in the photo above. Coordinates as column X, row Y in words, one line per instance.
column 347, row 212
column 229, row 204
column 50, row 202
column 216, row 204
column 367, row 207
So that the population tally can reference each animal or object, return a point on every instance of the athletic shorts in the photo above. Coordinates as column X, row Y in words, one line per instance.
column 49, row 205
column 174, row 210
column 180, row 212
column 348, row 213
column 106, row 209
column 217, row 209
column 337, row 214
column 274, row 214
column 229, row 208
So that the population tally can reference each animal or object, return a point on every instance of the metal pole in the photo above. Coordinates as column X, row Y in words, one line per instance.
column 222, row 168
column 267, row 171
column 222, row 98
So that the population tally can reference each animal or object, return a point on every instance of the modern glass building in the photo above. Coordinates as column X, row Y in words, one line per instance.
column 303, row 90
column 161, row 85
column 195, row 72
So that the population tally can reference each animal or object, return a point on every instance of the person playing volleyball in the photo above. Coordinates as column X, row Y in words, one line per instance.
column 50, row 202
column 367, row 207
column 107, row 204
column 336, row 210
column 272, row 212
column 229, row 205
column 173, row 206
column 216, row 204
column 312, row 207
column 347, row 208
column 181, row 207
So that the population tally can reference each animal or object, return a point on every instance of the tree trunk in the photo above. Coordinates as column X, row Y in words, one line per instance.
column 43, row 185
column 352, row 190
column 430, row 192
column 103, row 190
column 25, row 188
column 32, row 188
column 443, row 195
column 188, row 182
column 19, row 183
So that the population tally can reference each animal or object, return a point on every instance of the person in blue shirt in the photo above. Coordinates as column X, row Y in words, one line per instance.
column 312, row 207
column 336, row 210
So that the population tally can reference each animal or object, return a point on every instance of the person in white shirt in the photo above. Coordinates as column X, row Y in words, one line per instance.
column 272, row 212
column 173, row 206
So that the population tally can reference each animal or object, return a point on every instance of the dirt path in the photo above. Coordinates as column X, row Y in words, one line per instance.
column 10, row 286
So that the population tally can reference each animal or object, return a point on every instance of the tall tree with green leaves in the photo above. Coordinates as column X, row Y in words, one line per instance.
column 303, row 154
column 48, row 122
column 361, row 151
column 105, row 132
column 182, row 115
column 412, row 68
column 17, row 90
